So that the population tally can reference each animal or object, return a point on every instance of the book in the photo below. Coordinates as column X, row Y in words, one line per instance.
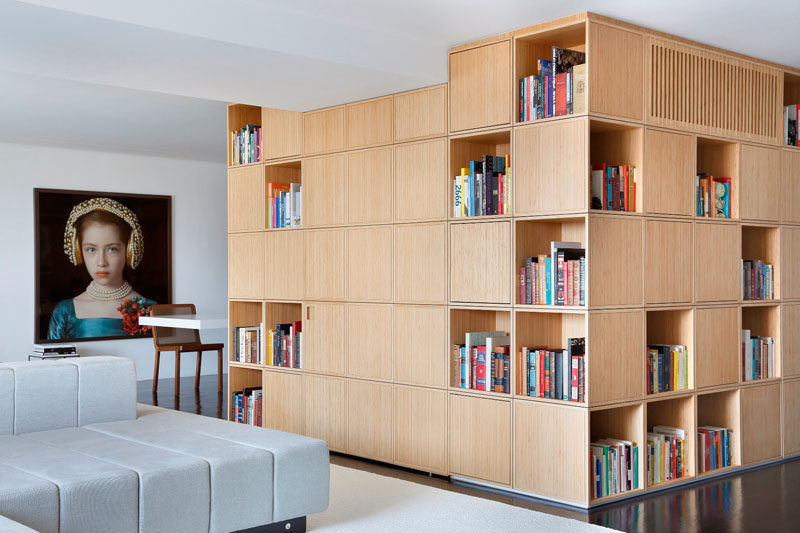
column 579, row 88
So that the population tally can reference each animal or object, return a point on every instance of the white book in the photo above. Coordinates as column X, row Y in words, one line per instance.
column 748, row 354
column 458, row 199
column 669, row 430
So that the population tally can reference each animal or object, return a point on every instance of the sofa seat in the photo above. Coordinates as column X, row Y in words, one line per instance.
column 174, row 491
column 93, row 495
column 240, row 476
column 28, row 499
column 9, row 526
column 301, row 465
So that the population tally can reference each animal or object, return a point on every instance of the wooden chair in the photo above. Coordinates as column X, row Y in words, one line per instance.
column 181, row 340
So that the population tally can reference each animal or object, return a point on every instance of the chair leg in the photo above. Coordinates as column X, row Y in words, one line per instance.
column 219, row 371
column 177, row 373
column 155, row 371
column 197, row 372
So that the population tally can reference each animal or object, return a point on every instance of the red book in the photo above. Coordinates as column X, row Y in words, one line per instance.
column 573, row 395
column 626, row 192
column 540, row 373
column 522, row 285
column 615, row 201
column 500, row 197
column 561, row 94
column 473, row 367
column 480, row 368
column 548, row 362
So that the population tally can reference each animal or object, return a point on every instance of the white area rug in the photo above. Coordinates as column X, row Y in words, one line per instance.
column 366, row 502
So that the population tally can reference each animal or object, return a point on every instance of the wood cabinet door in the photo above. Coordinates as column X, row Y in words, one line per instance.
column 615, row 50
column 759, row 183
column 369, row 186
column 420, row 428
column 668, row 265
column 323, row 131
column 421, row 263
column 717, row 262
column 324, row 187
column 324, row 264
column 284, row 266
column 369, row 419
column 669, row 170
column 761, row 423
column 790, row 186
column 246, row 265
column 420, row 184
column 246, row 199
column 615, row 261
column 480, row 262
column 420, row 114
column 369, row 123
column 368, row 331
column 480, row 438
column 323, row 338
column 717, row 346
column 479, row 87
column 369, row 263
column 420, row 345
column 283, row 133
column 616, row 365
column 324, row 410
column 283, row 401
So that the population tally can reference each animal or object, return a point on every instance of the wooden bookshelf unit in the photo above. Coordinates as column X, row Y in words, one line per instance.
column 385, row 278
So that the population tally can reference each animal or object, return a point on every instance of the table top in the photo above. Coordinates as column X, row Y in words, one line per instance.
column 198, row 321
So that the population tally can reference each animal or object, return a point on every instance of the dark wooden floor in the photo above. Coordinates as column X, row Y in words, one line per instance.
column 766, row 499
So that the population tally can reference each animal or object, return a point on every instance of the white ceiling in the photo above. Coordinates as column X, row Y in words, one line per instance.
column 153, row 75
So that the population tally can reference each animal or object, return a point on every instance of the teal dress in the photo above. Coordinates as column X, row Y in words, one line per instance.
column 65, row 325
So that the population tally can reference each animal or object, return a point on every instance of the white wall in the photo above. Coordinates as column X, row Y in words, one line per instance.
column 199, row 238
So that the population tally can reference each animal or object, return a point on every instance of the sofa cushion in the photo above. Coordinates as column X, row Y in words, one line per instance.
column 45, row 395
column 106, row 389
column 241, row 476
column 6, row 401
column 29, row 500
column 9, row 526
column 93, row 495
column 174, row 492
column 301, row 464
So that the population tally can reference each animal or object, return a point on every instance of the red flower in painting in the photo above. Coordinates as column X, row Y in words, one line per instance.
column 131, row 310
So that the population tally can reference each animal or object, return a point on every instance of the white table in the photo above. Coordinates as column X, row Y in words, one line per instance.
column 199, row 321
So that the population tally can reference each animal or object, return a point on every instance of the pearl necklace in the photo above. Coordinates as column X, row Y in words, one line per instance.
column 98, row 292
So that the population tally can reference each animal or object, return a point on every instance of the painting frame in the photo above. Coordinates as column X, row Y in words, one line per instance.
column 154, row 212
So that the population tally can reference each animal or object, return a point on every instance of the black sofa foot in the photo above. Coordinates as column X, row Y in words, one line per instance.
column 295, row 525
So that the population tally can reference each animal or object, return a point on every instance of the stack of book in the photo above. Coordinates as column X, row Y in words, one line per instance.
column 484, row 188
column 667, row 368
column 284, row 205
column 666, row 449
column 557, row 279
column 614, row 467
column 53, row 351
column 757, row 280
column 758, row 356
column 713, row 196
column 247, row 344
column 791, row 119
column 285, row 345
column 247, row 406
column 482, row 362
column 614, row 187
column 246, row 145
column 714, row 448
column 555, row 374
column 558, row 88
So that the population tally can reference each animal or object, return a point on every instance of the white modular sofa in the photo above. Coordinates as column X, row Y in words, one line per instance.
column 78, row 455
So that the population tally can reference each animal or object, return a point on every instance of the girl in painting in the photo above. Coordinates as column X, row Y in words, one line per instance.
column 105, row 236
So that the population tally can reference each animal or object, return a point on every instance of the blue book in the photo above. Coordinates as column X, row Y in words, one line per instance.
column 609, row 187
column 472, row 172
column 531, row 373
column 548, row 280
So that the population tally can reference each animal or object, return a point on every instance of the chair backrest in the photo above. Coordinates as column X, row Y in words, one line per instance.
column 163, row 336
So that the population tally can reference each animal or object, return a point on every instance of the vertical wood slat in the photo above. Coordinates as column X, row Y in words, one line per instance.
column 712, row 93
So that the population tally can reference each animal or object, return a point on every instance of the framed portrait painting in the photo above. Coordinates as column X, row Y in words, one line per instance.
column 102, row 259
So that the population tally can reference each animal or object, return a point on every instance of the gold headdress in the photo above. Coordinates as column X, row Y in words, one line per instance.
column 134, row 248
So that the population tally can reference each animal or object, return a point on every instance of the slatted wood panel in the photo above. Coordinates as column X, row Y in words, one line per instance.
column 709, row 92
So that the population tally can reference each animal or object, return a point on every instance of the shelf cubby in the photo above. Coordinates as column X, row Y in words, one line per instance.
column 239, row 116
column 763, row 321
column 615, row 144
column 463, row 321
column 676, row 412
column 763, row 243
column 533, row 238
column 721, row 409
column 284, row 172
column 674, row 327
column 538, row 45
column 718, row 346
column 547, row 330
column 473, row 147
column 621, row 423
column 719, row 158
column 240, row 378
column 242, row 314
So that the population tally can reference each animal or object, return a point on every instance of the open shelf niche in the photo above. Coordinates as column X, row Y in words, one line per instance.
column 673, row 327
column 473, row 147
column 721, row 409
column 678, row 413
column 281, row 313
column 463, row 321
column 549, row 330
column 621, row 423
column 538, row 45
column 533, row 238
column 242, row 314
column 720, row 159
column 763, row 321
column 285, row 172
column 791, row 96
column 615, row 144
column 237, row 381
column 240, row 116
column 763, row 243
